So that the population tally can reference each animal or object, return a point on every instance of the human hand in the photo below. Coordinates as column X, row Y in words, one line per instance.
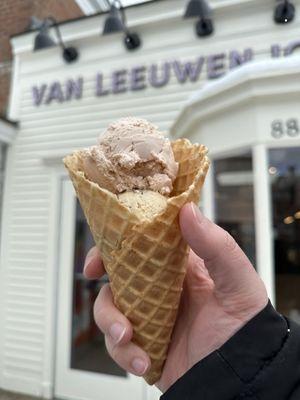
column 221, row 293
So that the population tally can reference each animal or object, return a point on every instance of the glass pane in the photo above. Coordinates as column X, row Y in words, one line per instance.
column 284, row 170
column 234, row 202
column 88, row 347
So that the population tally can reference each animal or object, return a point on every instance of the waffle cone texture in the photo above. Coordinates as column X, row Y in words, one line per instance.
column 144, row 259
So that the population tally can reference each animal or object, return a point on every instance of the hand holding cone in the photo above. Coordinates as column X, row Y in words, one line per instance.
column 144, row 258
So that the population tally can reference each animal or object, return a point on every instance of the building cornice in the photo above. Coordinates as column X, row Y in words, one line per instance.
column 256, row 80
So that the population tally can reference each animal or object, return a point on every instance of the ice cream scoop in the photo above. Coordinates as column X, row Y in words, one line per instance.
column 132, row 154
column 145, row 204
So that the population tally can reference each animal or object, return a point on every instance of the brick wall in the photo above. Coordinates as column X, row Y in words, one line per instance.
column 14, row 18
column 5, row 70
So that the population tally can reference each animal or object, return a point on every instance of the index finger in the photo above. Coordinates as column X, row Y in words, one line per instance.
column 93, row 265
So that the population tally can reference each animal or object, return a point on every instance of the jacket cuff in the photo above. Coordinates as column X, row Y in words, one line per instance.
column 234, row 364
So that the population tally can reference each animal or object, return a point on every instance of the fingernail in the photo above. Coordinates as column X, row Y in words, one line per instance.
column 117, row 331
column 89, row 257
column 197, row 213
column 139, row 366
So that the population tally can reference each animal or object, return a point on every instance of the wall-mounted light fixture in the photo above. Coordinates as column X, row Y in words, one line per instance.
column 200, row 9
column 116, row 22
column 43, row 40
column 284, row 12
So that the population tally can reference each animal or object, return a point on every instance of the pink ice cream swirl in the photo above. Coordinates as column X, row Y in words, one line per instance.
column 132, row 155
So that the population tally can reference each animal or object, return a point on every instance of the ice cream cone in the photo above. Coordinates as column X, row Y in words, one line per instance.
column 145, row 259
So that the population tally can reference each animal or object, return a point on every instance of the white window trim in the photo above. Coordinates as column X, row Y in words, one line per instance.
column 88, row 6
column 7, row 131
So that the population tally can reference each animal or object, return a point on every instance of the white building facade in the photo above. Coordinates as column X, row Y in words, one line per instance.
column 248, row 116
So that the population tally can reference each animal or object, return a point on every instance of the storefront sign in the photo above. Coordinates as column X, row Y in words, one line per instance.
column 156, row 75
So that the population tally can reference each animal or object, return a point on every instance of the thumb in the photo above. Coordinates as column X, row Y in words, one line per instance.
column 208, row 240
column 227, row 264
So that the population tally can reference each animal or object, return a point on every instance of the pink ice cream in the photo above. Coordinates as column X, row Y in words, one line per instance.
column 132, row 155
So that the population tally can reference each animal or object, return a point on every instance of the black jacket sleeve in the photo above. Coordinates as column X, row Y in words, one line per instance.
column 260, row 362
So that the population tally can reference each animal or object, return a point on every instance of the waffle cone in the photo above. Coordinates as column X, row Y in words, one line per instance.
column 145, row 260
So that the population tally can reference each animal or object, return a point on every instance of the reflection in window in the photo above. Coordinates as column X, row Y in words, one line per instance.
column 284, row 170
column 88, row 347
column 234, row 200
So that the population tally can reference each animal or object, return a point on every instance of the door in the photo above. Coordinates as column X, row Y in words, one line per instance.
column 233, row 188
column 84, row 369
column 284, row 177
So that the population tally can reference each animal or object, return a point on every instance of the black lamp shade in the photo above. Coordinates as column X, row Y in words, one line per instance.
column 70, row 54
column 43, row 40
column 132, row 41
column 197, row 8
column 204, row 27
column 284, row 12
column 113, row 22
